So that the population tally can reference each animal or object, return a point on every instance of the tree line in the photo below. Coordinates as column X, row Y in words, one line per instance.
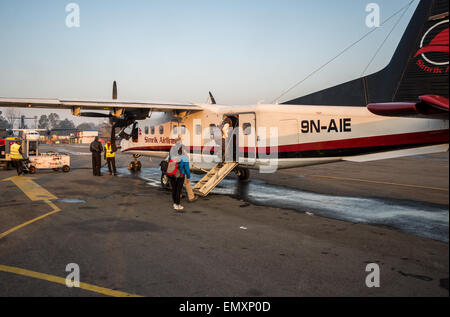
column 9, row 119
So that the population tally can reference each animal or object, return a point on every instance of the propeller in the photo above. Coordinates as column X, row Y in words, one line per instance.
column 116, row 122
column 103, row 115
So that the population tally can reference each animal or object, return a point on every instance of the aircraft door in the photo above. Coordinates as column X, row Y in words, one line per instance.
column 135, row 132
column 247, row 138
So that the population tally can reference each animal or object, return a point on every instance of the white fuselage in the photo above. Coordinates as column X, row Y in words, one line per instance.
column 292, row 135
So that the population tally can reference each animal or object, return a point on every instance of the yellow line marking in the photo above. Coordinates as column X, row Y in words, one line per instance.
column 36, row 193
column 54, row 211
column 60, row 280
column 379, row 182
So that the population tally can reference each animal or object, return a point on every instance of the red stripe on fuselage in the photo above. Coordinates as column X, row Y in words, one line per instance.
column 431, row 137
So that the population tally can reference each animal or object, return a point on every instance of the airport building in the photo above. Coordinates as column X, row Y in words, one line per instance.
column 85, row 137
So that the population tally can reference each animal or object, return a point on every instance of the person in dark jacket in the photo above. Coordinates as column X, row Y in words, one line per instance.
column 96, row 149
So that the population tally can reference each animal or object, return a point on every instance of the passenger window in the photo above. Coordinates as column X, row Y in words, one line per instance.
column 152, row 129
column 183, row 129
column 247, row 127
column 146, row 130
column 198, row 129
column 175, row 130
column 212, row 129
column 161, row 129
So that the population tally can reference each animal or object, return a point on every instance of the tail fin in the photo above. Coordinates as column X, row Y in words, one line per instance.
column 418, row 67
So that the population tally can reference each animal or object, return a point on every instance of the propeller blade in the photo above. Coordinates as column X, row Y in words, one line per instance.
column 213, row 101
column 114, row 94
column 95, row 115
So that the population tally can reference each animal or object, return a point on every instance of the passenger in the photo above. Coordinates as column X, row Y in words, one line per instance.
column 96, row 149
column 177, row 170
column 226, row 125
column 110, row 157
column 16, row 156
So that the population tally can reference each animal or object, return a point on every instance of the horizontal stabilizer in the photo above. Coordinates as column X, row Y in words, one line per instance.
column 428, row 106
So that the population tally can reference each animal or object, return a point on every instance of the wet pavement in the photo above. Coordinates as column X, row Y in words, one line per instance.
column 285, row 234
column 425, row 220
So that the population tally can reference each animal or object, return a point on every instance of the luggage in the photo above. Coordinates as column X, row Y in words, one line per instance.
column 189, row 190
column 173, row 169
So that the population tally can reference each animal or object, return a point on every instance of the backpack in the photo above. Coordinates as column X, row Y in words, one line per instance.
column 173, row 169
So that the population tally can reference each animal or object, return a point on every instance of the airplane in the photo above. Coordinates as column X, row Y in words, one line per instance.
column 29, row 134
column 398, row 111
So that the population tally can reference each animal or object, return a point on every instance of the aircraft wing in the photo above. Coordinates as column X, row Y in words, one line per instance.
column 95, row 105
column 428, row 106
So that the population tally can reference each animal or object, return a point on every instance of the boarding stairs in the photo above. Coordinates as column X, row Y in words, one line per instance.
column 213, row 178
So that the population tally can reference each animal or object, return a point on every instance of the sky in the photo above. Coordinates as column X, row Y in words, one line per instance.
column 243, row 51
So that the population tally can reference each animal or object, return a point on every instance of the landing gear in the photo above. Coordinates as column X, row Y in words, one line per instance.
column 165, row 182
column 242, row 173
column 135, row 166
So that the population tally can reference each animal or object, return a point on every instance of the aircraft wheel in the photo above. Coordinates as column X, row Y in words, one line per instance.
column 138, row 166
column 243, row 174
column 135, row 166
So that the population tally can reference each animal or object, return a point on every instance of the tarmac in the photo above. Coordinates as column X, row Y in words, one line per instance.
column 302, row 232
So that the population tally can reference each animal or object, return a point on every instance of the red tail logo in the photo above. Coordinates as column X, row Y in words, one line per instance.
column 438, row 44
column 432, row 56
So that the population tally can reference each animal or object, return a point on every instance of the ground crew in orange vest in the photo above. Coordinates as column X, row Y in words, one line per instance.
column 110, row 157
column 16, row 156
